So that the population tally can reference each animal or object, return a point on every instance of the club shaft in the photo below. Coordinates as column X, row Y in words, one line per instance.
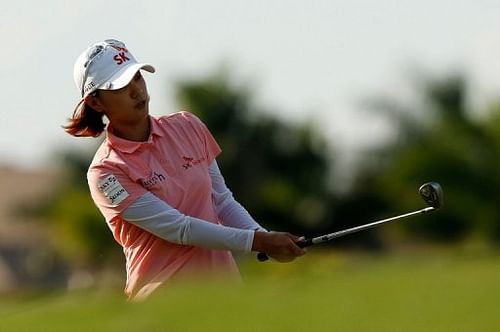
column 328, row 237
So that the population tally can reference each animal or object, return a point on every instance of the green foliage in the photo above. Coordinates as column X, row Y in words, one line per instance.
column 440, row 141
column 79, row 231
column 82, row 234
column 280, row 171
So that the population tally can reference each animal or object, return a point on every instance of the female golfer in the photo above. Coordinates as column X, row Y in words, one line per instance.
column 156, row 181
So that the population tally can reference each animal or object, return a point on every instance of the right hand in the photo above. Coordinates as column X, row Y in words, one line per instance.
column 278, row 245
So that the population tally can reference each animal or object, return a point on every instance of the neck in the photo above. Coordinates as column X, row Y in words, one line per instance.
column 138, row 132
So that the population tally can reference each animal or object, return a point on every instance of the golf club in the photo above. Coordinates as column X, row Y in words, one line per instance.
column 431, row 193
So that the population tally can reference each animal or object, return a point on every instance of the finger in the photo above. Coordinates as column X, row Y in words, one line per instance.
column 295, row 238
column 297, row 251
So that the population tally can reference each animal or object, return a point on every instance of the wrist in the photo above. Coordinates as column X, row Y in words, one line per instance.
column 258, row 239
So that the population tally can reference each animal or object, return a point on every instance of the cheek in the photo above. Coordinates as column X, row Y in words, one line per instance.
column 116, row 101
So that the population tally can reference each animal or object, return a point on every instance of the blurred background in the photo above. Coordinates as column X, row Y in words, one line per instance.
column 330, row 114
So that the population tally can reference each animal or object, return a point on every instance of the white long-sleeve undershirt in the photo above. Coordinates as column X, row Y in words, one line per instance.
column 159, row 218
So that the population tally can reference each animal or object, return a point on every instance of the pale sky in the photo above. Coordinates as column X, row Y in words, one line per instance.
column 305, row 59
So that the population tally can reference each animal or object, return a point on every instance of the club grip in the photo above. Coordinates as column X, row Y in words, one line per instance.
column 262, row 256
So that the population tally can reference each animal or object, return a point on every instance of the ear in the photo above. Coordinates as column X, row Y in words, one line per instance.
column 95, row 103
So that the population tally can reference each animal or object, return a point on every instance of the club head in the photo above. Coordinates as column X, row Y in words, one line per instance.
column 432, row 194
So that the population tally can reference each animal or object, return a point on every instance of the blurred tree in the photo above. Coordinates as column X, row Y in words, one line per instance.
column 78, row 229
column 439, row 140
column 278, row 171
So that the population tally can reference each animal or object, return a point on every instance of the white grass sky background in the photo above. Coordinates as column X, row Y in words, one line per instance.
column 305, row 59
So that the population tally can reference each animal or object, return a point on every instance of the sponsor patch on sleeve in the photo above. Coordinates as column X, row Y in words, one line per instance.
column 112, row 189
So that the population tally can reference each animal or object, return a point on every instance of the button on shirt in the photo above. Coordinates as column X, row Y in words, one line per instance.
column 173, row 165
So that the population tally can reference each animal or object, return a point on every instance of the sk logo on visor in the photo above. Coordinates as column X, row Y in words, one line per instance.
column 121, row 58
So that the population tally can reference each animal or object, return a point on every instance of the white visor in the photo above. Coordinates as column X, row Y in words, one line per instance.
column 107, row 65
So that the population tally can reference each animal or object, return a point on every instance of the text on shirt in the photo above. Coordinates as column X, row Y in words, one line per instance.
column 190, row 162
column 154, row 179
column 112, row 189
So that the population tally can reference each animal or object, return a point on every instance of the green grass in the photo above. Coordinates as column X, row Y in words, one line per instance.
column 436, row 291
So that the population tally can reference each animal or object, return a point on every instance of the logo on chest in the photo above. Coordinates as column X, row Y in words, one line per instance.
column 154, row 179
column 190, row 162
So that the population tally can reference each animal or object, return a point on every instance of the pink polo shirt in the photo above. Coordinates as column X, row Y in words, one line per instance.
column 173, row 165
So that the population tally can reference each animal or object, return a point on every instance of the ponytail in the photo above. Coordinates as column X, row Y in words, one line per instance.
column 85, row 122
